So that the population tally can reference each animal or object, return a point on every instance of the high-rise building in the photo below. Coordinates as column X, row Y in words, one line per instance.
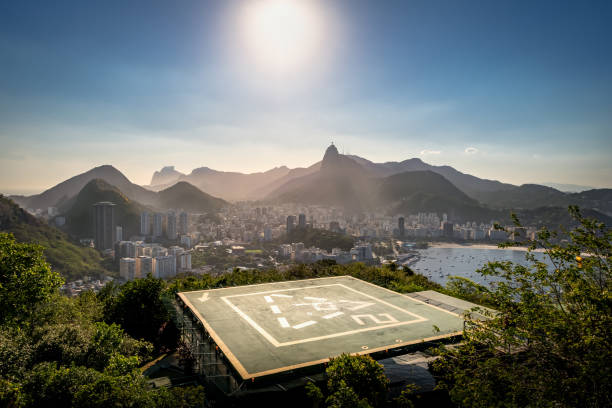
column 164, row 266
column 183, row 261
column 362, row 252
column 104, row 225
column 401, row 227
column 158, row 220
column 125, row 249
column 285, row 250
column 186, row 240
column 171, row 225
column 267, row 234
column 290, row 223
column 145, row 223
column 144, row 266
column 334, row 226
column 302, row 220
column 118, row 233
column 448, row 229
column 127, row 268
column 158, row 251
column 183, row 223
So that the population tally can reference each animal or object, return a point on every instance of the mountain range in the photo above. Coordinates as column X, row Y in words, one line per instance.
column 78, row 210
column 341, row 180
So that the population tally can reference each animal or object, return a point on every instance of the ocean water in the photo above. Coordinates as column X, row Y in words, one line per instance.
column 438, row 264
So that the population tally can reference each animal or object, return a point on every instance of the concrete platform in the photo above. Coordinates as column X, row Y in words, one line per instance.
column 276, row 327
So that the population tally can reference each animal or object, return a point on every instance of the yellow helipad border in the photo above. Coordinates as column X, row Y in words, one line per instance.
column 246, row 375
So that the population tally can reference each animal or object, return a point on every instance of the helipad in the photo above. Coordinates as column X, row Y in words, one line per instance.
column 275, row 327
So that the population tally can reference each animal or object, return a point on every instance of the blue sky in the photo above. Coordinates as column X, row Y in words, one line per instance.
column 515, row 91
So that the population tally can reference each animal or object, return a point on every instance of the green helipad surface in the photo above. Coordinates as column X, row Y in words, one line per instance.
column 274, row 327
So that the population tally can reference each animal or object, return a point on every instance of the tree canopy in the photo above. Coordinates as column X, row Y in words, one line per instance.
column 26, row 280
column 549, row 341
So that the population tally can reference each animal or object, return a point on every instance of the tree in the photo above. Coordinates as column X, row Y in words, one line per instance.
column 137, row 306
column 26, row 280
column 548, row 343
column 352, row 381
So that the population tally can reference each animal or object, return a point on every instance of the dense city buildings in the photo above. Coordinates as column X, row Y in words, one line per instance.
column 171, row 225
column 158, row 220
column 183, row 223
column 104, row 225
column 245, row 236
column 145, row 224
column 290, row 223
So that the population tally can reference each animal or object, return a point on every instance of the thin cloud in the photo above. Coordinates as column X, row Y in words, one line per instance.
column 426, row 152
column 471, row 150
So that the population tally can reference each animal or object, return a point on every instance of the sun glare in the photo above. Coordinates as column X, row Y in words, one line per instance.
column 282, row 35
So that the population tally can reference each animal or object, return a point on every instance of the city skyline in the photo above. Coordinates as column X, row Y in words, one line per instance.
column 519, row 93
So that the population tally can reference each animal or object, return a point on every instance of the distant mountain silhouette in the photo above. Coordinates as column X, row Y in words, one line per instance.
column 239, row 186
column 185, row 196
column 531, row 196
column 65, row 256
column 228, row 185
column 165, row 176
column 79, row 212
column 412, row 192
column 567, row 188
column 293, row 174
column 56, row 196
column 465, row 182
column 344, row 181
column 340, row 181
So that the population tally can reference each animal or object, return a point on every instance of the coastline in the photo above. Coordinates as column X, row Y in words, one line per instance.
column 477, row 246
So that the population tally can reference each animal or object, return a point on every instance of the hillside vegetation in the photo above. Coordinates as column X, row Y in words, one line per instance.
column 185, row 196
column 79, row 216
column 324, row 239
column 68, row 258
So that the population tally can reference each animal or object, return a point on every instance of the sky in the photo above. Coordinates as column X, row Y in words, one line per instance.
column 516, row 91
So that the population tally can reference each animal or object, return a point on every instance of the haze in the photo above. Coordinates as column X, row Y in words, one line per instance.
column 518, row 92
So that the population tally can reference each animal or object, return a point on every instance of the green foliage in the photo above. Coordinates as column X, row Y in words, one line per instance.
column 16, row 353
column 51, row 385
column 397, row 280
column 10, row 394
column 138, row 307
column 346, row 397
column 355, row 378
column 26, row 280
column 465, row 288
column 320, row 238
column 406, row 397
column 548, row 343
column 314, row 393
column 66, row 257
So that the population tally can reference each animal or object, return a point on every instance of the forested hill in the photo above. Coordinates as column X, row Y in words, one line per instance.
column 70, row 259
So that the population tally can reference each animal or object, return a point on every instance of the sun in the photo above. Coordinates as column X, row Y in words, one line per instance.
column 282, row 36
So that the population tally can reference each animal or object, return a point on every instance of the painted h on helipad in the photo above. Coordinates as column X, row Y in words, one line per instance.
column 274, row 327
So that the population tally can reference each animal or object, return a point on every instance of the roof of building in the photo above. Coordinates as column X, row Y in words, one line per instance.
column 277, row 327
